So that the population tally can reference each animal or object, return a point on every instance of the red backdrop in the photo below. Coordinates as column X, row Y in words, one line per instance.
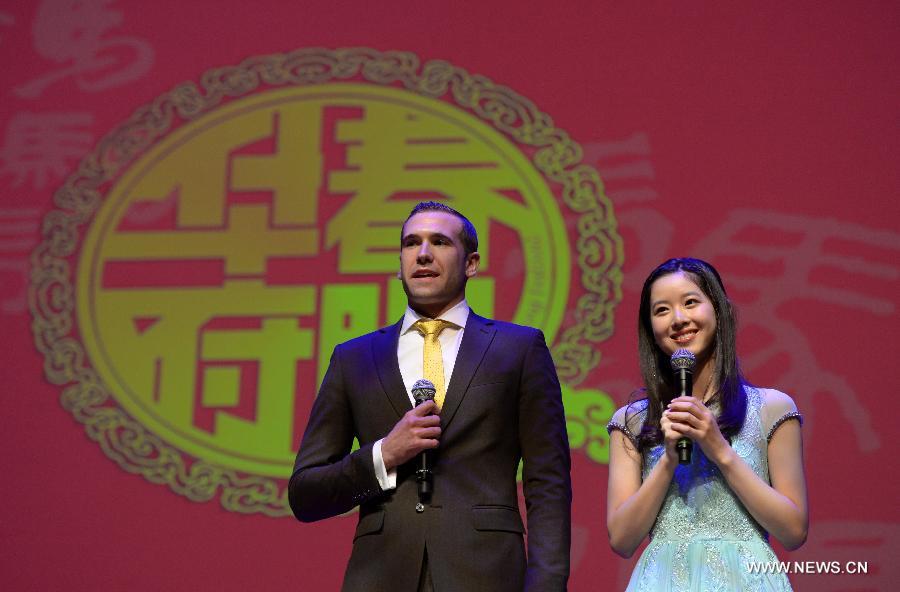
column 763, row 137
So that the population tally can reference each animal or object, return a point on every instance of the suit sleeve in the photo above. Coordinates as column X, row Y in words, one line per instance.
column 328, row 478
column 546, row 473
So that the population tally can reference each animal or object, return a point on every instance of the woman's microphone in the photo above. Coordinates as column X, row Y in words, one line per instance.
column 682, row 362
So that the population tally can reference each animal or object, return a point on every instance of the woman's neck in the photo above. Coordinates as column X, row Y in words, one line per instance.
column 704, row 380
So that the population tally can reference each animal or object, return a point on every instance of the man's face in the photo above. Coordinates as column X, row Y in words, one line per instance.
column 433, row 262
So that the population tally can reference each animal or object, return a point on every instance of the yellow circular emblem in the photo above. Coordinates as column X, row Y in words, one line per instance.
column 236, row 233
column 184, row 313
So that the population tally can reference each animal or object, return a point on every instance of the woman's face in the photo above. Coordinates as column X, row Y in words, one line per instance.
column 682, row 316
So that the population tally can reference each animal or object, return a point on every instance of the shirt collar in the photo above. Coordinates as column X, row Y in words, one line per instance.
column 458, row 315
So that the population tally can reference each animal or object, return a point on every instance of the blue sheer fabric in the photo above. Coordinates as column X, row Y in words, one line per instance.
column 703, row 538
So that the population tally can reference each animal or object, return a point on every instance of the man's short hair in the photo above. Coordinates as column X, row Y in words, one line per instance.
column 468, row 236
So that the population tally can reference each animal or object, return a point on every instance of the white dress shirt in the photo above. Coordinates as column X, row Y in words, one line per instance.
column 410, row 356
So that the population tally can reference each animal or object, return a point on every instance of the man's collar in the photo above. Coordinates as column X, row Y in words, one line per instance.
column 458, row 315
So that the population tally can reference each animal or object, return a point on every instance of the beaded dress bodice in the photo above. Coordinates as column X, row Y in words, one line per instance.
column 699, row 504
column 703, row 538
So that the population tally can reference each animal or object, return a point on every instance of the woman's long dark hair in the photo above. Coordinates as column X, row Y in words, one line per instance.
column 659, row 381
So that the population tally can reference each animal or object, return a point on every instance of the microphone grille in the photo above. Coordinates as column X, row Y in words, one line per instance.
column 423, row 390
column 682, row 359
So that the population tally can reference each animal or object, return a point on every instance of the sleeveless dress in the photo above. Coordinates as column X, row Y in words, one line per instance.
column 703, row 538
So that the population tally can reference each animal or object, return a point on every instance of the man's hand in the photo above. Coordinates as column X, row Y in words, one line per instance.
column 416, row 431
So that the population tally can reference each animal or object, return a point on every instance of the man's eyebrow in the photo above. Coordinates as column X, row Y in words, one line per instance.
column 432, row 236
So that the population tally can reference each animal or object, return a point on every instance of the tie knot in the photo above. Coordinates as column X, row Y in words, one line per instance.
column 432, row 327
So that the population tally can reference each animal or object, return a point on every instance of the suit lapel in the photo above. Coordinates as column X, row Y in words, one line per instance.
column 476, row 339
column 384, row 351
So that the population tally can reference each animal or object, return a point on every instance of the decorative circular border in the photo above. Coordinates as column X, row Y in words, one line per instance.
column 51, row 292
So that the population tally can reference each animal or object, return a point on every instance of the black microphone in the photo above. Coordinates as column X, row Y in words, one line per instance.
column 682, row 362
column 423, row 390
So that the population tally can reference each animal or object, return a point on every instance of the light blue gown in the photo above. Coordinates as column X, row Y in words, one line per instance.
column 703, row 538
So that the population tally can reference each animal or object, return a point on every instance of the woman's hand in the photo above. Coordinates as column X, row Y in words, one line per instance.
column 670, row 436
column 689, row 417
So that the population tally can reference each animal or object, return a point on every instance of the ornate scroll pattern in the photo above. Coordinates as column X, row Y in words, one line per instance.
column 51, row 293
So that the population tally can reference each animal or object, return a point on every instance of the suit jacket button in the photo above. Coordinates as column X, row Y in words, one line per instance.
column 420, row 507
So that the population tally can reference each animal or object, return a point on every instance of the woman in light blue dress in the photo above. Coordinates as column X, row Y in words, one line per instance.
column 708, row 520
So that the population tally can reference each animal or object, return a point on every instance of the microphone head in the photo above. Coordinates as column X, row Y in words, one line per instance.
column 682, row 359
column 423, row 390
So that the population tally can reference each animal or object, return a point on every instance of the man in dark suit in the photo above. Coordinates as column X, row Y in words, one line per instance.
column 502, row 403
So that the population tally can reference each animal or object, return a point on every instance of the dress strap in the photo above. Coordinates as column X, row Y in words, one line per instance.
column 614, row 425
column 787, row 416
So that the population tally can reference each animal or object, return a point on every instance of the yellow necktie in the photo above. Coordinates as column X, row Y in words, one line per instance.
column 432, row 357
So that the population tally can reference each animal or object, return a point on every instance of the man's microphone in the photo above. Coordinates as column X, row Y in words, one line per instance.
column 423, row 390
column 682, row 362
